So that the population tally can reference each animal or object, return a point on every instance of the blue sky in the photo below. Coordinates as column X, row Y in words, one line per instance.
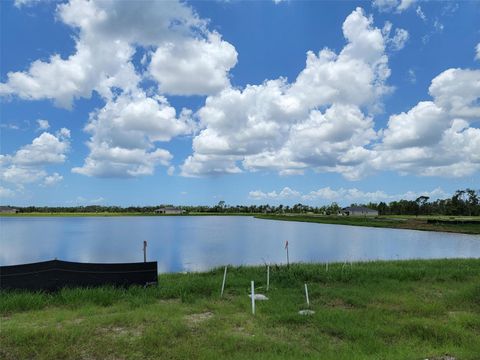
column 142, row 103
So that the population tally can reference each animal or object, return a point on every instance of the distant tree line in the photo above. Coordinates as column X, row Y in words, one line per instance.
column 462, row 203
column 88, row 209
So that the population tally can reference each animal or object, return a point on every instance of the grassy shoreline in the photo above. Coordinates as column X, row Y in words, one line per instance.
column 375, row 310
column 393, row 222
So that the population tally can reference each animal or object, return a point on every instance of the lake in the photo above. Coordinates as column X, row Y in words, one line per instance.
column 197, row 243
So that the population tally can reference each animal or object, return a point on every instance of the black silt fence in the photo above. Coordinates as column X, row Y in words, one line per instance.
column 56, row 274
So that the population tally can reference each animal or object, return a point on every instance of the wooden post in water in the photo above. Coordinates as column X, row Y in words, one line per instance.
column 252, row 285
column 223, row 283
column 144, row 251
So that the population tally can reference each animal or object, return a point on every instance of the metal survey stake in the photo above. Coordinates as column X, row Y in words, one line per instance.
column 144, row 251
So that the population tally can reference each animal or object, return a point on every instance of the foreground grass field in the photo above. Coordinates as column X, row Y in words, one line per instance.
column 426, row 223
column 376, row 310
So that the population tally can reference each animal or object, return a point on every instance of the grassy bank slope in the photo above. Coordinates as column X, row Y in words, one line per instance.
column 377, row 310
column 396, row 222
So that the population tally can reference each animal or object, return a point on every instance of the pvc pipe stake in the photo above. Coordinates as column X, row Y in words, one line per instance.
column 253, row 297
column 288, row 257
column 223, row 283
column 306, row 294
column 268, row 277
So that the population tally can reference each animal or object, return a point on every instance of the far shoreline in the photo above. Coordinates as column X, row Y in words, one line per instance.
column 405, row 222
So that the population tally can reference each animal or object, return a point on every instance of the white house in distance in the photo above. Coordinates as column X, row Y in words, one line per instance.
column 8, row 210
column 169, row 210
column 359, row 211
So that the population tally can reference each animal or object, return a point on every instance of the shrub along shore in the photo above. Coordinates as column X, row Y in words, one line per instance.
column 419, row 309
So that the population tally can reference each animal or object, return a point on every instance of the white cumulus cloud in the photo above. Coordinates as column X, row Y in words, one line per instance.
column 20, row 3
column 43, row 124
column 420, row 13
column 279, row 125
column 323, row 120
column 27, row 164
column 124, row 135
column 436, row 138
column 52, row 179
column 341, row 195
column 82, row 201
column 193, row 67
column 46, row 149
column 285, row 193
column 187, row 58
column 399, row 38
column 392, row 5
column 457, row 91
column 180, row 55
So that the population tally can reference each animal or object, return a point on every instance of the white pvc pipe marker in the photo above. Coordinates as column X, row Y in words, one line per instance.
column 306, row 294
column 223, row 283
column 253, row 297
column 268, row 277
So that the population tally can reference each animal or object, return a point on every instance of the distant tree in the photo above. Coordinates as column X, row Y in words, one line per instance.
column 382, row 208
column 333, row 209
column 421, row 201
column 472, row 202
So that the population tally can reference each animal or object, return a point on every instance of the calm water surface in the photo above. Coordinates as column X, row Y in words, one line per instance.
column 201, row 242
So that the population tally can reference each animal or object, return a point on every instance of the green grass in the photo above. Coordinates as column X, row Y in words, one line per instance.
column 426, row 217
column 374, row 310
column 394, row 222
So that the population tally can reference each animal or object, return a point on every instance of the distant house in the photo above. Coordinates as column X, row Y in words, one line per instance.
column 8, row 210
column 359, row 211
column 169, row 210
